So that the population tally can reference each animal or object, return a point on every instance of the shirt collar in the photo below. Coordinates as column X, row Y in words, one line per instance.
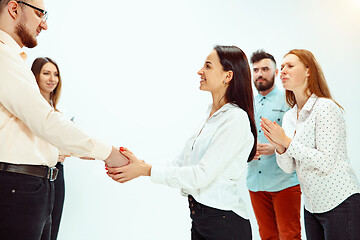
column 308, row 105
column 268, row 96
column 310, row 102
column 224, row 108
column 10, row 42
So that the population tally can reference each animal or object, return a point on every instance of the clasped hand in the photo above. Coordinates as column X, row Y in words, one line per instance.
column 134, row 169
column 275, row 134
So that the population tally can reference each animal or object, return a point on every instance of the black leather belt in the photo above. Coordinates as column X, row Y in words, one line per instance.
column 32, row 170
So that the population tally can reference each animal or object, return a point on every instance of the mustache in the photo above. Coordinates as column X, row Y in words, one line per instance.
column 262, row 79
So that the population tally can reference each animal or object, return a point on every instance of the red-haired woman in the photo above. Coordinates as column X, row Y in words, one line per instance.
column 313, row 142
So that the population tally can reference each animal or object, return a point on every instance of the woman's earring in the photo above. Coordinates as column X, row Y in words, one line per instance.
column 225, row 82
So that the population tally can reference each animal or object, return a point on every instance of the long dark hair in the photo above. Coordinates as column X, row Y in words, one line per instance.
column 36, row 69
column 239, row 91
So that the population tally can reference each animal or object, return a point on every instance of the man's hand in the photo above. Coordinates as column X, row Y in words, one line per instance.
column 134, row 169
column 116, row 159
column 265, row 149
column 62, row 157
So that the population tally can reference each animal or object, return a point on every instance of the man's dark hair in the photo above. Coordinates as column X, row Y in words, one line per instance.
column 260, row 55
column 3, row 3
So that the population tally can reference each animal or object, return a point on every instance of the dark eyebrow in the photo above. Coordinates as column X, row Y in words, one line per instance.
column 208, row 62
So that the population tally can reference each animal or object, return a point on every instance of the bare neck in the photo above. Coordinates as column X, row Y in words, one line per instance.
column 46, row 96
column 301, row 98
column 218, row 102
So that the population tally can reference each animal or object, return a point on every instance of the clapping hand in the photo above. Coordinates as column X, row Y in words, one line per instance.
column 134, row 169
column 275, row 134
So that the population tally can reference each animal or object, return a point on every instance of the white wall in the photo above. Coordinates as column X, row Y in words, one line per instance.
column 129, row 77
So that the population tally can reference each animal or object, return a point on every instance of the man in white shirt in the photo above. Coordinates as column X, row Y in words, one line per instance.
column 30, row 131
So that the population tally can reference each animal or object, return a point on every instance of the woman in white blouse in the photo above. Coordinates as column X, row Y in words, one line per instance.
column 313, row 142
column 216, row 155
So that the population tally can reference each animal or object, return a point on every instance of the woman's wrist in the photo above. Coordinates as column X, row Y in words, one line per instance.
column 286, row 142
column 280, row 150
column 146, row 169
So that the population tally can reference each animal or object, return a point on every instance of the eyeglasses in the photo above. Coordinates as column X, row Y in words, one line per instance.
column 44, row 16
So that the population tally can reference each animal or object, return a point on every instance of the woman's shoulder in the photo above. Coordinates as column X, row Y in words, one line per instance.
column 327, row 104
column 235, row 112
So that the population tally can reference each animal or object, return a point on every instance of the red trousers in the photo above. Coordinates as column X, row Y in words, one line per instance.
column 278, row 213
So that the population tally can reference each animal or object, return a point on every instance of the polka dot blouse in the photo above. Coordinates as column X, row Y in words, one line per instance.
column 318, row 154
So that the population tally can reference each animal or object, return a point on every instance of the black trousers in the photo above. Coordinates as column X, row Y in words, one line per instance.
column 25, row 207
column 59, row 185
column 340, row 223
column 214, row 224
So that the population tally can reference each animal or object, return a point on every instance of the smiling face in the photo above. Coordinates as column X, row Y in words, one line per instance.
column 30, row 24
column 294, row 74
column 212, row 75
column 48, row 79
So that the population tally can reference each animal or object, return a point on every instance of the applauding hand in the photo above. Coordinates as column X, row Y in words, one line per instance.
column 275, row 134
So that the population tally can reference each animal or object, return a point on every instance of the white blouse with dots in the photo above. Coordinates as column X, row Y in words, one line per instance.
column 318, row 154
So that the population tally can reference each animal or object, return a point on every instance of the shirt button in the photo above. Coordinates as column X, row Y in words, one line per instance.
column 259, row 131
column 259, row 171
column 224, row 217
column 279, row 119
column 192, row 212
column 259, row 159
column 191, row 205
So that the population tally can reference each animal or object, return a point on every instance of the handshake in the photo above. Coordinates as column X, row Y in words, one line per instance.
column 122, row 165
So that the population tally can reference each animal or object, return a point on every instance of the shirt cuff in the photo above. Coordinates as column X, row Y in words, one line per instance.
column 296, row 150
column 158, row 174
column 101, row 150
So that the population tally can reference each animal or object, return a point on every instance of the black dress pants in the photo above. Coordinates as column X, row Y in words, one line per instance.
column 26, row 203
column 59, row 185
column 340, row 223
column 214, row 224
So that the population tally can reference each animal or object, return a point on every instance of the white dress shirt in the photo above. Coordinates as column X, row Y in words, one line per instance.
column 318, row 153
column 213, row 161
column 29, row 127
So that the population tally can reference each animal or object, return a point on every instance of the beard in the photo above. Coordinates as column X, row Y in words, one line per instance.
column 267, row 84
column 25, row 37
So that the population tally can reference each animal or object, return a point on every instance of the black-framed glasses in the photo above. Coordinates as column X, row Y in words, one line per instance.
column 44, row 16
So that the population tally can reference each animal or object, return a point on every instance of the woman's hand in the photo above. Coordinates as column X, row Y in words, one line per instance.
column 280, row 149
column 134, row 169
column 275, row 134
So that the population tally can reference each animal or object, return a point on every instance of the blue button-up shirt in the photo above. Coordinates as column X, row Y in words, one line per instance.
column 264, row 174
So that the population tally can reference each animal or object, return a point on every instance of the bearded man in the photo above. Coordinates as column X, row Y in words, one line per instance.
column 31, row 132
column 275, row 195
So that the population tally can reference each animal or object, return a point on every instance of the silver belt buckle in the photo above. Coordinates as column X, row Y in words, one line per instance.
column 52, row 174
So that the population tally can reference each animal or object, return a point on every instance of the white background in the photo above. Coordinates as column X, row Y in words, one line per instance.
column 129, row 78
